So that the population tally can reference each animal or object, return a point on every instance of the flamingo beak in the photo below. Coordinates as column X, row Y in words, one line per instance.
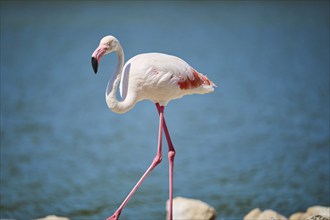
column 96, row 57
column 95, row 64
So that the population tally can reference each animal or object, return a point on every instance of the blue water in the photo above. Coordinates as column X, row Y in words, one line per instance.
column 260, row 140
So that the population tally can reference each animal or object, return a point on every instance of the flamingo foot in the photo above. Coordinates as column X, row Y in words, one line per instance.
column 115, row 216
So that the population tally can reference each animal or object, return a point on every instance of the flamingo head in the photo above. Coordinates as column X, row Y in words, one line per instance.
column 107, row 45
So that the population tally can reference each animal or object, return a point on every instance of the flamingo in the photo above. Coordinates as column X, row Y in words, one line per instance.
column 149, row 76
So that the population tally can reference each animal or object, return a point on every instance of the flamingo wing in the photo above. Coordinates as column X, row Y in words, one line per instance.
column 161, row 77
column 194, row 79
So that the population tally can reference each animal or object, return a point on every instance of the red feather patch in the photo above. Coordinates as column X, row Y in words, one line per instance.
column 199, row 79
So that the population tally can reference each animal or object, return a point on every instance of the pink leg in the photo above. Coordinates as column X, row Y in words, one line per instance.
column 155, row 162
column 171, row 154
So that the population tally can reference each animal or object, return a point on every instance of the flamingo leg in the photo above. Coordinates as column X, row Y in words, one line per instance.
column 171, row 155
column 155, row 162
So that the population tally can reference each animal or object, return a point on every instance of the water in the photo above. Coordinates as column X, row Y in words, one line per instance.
column 261, row 140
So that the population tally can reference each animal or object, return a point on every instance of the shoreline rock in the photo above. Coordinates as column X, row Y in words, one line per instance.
column 312, row 213
column 268, row 214
column 53, row 217
column 192, row 209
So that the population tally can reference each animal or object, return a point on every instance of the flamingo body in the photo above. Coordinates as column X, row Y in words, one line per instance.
column 161, row 78
column 154, row 76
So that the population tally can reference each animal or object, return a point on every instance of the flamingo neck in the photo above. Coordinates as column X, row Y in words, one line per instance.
column 128, row 102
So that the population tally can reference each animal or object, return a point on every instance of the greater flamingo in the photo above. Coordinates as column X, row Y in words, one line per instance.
column 154, row 76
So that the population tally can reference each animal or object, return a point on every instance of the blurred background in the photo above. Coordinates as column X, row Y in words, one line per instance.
column 260, row 140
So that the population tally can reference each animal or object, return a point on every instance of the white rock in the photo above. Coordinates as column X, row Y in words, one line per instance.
column 297, row 216
column 271, row 215
column 268, row 214
column 192, row 209
column 312, row 211
column 253, row 214
column 53, row 217
column 317, row 217
column 319, row 210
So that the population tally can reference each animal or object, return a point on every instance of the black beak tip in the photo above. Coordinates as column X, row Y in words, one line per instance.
column 95, row 64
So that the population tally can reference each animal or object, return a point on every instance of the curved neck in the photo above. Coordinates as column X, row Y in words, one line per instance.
column 128, row 102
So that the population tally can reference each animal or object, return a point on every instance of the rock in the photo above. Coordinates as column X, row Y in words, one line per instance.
column 272, row 215
column 253, row 214
column 192, row 209
column 268, row 214
column 313, row 211
column 317, row 217
column 297, row 216
column 319, row 210
column 53, row 217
